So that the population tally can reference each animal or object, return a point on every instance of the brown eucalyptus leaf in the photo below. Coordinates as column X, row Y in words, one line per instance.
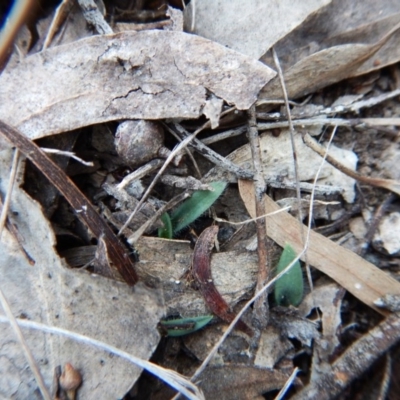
column 251, row 27
column 129, row 75
column 340, row 22
column 50, row 293
column 326, row 67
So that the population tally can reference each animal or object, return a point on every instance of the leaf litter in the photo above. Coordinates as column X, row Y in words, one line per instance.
column 128, row 75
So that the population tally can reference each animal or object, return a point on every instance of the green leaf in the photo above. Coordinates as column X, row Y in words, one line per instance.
column 193, row 208
column 184, row 326
column 166, row 231
column 290, row 287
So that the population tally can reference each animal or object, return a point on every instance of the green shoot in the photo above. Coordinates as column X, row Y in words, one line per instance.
column 184, row 326
column 289, row 288
column 166, row 231
column 193, row 208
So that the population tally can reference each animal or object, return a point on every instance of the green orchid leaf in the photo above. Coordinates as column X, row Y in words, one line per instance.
column 184, row 326
column 290, row 287
column 193, row 208
column 166, row 231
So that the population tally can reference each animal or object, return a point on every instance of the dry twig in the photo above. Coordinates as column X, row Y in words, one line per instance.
column 389, row 184
column 261, row 306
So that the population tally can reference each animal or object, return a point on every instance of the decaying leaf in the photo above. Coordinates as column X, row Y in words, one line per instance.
column 129, row 75
column 341, row 22
column 386, row 238
column 272, row 347
column 293, row 326
column 322, row 62
column 358, row 276
column 257, row 25
column 240, row 382
column 50, row 293
column 327, row 297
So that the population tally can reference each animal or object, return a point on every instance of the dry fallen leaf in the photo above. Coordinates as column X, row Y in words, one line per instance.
column 327, row 297
column 51, row 293
column 130, row 75
column 386, row 238
column 342, row 22
column 358, row 276
column 272, row 347
column 326, row 67
column 257, row 25
column 240, row 382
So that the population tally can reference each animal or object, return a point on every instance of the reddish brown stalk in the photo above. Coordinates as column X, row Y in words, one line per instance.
column 116, row 252
column 201, row 269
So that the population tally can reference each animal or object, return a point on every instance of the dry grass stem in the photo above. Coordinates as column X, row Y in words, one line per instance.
column 11, row 181
column 247, row 221
column 67, row 154
column 287, row 385
column 28, row 355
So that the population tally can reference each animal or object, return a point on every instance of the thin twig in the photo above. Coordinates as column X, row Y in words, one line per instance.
column 28, row 355
column 94, row 17
column 214, row 157
column 261, row 306
column 389, row 184
column 170, row 377
column 263, row 102
column 172, row 203
column 387, row 375
column 357, row 122
column 16, row 235
column 356, row 106
column 67, row 154
column 225, row 135
column 288, row 383
column 7, row 199
column 247, row 221
column 373, row 101
column 292, row 132
column 188, row 152
column 295, row 163
column 140, row 173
